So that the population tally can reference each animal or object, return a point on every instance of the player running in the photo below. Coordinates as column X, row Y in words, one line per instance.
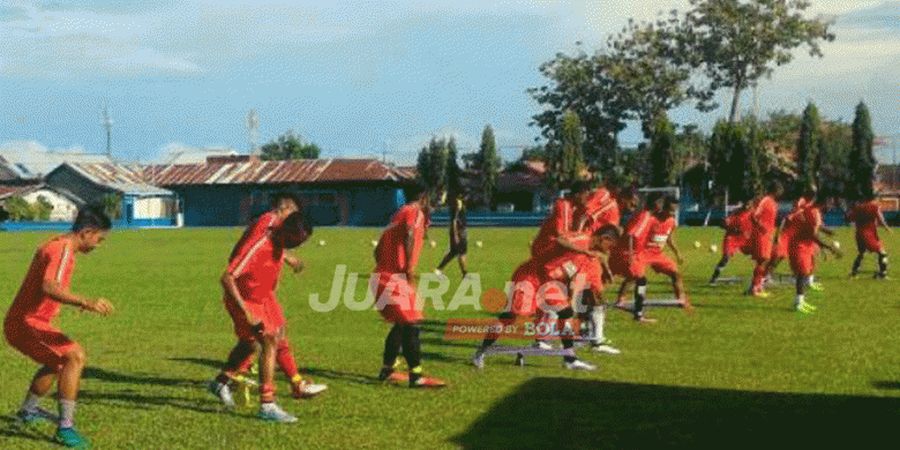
column 283, row 204
column 662, row 234
column 737, row 237
column 786, row 231
column 250, row 282
column 804, row 245
column 763, row 219
column 29, row 327
column 396, row 257
column 459, row 240
column 555, row 288
column 867, row 217
column 626, row 259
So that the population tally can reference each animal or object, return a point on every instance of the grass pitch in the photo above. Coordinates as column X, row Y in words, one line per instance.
column 738, row 372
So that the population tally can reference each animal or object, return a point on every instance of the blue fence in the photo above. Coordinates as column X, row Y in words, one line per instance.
column 65, row 226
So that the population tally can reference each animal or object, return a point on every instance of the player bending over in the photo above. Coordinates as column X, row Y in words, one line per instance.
column 536, row 291
column 396, row 257
column 283, row 204
column 29, row 324
column 662, row 234
column 737, row 236
column 804, row 246
column 626, row 259
column 250, row 283
column 764, row 216
column 867, row 217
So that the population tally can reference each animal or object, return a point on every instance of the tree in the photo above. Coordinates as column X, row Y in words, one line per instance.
column 736, row 159
column 454, row 184
column 431, row 166
column 566, row 160
column 862, row 158
column 807, row 149
column 835, row 146
column 289, row 145
column 112, row 205
column 586, row 85
column 662, row 153
column 488, row 165
column 737, row 42
column 18, row 209
column 42, row 208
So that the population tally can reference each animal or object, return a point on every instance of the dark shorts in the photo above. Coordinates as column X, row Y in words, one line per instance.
column 460, row 247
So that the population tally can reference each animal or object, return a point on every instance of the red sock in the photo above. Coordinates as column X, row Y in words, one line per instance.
column 759, row 274
column 244, row 366
column 267, row 393
column 285, row 359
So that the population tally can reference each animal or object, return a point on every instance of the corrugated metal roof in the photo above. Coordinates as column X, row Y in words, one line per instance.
column 119, row 177
column 254, row 171
column 9, row 191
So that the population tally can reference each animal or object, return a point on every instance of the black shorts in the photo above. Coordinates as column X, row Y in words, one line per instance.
column 460, row 247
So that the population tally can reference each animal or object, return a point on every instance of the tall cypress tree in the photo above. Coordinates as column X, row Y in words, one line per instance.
column 862, row 156
column 808, row 148
column 662, row 152
column 566, row 160
column 488, row 165
column 454, row 186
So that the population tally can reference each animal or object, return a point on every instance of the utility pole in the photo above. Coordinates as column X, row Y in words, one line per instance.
column 253, row 130
column 107, row 124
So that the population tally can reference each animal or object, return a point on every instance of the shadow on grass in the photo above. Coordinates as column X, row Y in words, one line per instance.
column 887, row 385
column 211, row 363
column 96, row 373
column 311, row 371
column 132, row 400
column 552, row 412
column 11, row 430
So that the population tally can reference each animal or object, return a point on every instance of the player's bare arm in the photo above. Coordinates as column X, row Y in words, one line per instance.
column 670, row 242
column 883, row 223
column 294, row 262
column 57, row 292
column 408, row 247
column 569, row 245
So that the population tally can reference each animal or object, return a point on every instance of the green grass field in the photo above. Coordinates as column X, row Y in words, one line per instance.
column 737, row 372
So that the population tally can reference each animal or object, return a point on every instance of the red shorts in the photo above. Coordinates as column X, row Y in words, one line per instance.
column 530, row 295
column 869, row 242
column 731, row 245
column 660, row 263
column 782, row 247
column 396, row 300
column 39, row 341
column 267, row 311
column 619, row 266
column 803, row 261
column 762, row 246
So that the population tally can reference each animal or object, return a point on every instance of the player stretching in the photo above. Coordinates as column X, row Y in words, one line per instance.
column 867, row 216
column 627, row 257
column 533, row 292
column 787, row 230
column 803, row 248
column 250, row 283
column 29, row 322
column 737, row 235
column 763, row 218
column 283, row 204
column 396, row 257
column 662, row 234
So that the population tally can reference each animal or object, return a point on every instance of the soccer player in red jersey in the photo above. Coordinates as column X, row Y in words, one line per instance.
column 283, row 204
column 788, row 228
column 867, row 217
column 29, row 327
column 804, row 245
column 626, row 259
column 396, row 257
column 250, row 282
column 553, row 287
column 737, row 235
column 764, row 219
column 662, row 234
column 551, row 238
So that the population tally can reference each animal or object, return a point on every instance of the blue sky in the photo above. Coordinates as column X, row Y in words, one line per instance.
column 356, row 77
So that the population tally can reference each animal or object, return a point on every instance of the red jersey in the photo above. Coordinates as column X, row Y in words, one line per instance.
column 571, row 265
column 558, row 223
column 639, row 228
column 598, row 214
column 660, row 232
column 808, row 224
column 738, row 223
column 264, row 224
column 391, row 254
column 766, row 213
column 54, row 260
column 865, row 216
column 256, row 269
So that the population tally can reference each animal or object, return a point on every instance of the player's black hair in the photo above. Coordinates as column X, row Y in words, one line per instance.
column 608, row 230
column 415, row 191
column 295, row 230
column 652, row 198
column 669, row 201
column 580, row 187
column 280, row 196
column 809, row 192
column 774, row 186
column 92, row 217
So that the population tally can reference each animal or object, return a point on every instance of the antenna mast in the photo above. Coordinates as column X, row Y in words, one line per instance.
column 253, row 130
column 107, row 124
